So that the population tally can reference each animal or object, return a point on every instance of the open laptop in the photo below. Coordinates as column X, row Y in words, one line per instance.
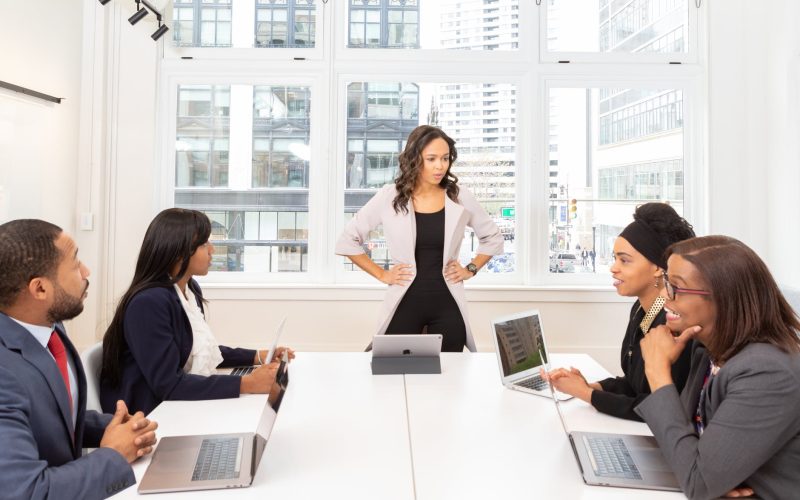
column 519, row 343
column 208, row 462
column 245, row 370
column 621, row 460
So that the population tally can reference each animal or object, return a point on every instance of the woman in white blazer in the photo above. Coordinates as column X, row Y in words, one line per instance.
column 424, row 215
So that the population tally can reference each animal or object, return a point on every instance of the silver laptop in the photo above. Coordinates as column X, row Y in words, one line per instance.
column 621, row 460
column 245, row 370
column 519, row 343
column 214, row 461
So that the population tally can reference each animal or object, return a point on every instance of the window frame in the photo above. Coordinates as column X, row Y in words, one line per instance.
column 336, row 65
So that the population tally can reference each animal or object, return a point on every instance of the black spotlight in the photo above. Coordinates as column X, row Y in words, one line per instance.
column 162, row 28
column 103, row 2
column 138, row 15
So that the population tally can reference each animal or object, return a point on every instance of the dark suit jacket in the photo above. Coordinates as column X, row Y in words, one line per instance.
column 38, row 458
column 752, row 428
column 620, row 395
column 158, row 338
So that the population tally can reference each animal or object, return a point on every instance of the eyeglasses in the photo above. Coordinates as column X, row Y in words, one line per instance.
column 674, row 290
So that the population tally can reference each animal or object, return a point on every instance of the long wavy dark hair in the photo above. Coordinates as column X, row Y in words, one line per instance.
column 750, row 306
column 172, row 238
column 411, row 164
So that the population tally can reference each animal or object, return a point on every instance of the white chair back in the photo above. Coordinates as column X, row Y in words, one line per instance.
column 92, row 359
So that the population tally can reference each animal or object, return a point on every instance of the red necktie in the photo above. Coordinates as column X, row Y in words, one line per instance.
column 60, row 353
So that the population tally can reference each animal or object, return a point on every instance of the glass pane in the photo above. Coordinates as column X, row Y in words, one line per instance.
column 434, row 24
column 615, row 26
column 610, row 150
column 258, row 207
column 382, row 114
column 291, row 25
column 201, row 146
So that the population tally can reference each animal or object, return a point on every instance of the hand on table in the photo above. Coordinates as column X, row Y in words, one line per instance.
column 133, row 436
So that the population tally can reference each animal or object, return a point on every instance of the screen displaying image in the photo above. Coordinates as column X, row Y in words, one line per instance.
column 521, row 344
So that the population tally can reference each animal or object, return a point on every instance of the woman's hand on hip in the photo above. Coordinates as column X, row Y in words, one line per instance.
column 399, row 274
column 454, row 272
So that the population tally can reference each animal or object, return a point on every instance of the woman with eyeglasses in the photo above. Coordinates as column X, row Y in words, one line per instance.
column 735, row 428
column 637, row 271
column 159, row 346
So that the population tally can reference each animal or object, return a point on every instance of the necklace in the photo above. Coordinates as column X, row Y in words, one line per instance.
column 644, row 325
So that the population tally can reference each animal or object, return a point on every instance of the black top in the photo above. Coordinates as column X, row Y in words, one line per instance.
column 429, row 251
column 620, row 395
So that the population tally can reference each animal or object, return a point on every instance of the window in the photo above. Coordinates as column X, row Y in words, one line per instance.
column 432, row 24
column 380, row 115
column 280, row 139
column 258, row 200
column 285, row 23
column 202, row 23
column 257, row 23
column 635, row 26
column 616, row 149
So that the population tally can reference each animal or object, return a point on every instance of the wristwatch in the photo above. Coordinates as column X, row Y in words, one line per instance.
column 472, row 268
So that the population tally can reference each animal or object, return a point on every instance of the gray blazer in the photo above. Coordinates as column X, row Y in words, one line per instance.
column 400, row 230
column 752, row 429
column 38, row 457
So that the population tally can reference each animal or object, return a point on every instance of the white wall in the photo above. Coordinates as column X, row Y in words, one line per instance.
column 754, row 108
column 41, row 50
column 109, row 169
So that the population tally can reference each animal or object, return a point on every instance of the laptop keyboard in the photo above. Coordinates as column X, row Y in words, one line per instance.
column 218, row 459
column 612, row 458
column 242, row 370
column 536, row 383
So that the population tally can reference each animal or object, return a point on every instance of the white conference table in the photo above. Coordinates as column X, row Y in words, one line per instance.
column 344, row 433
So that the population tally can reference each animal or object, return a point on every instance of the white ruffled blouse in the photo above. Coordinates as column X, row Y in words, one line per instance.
column 205, row 355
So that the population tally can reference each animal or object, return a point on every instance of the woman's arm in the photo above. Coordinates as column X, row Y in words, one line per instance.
column 153, row 330
column 399, row 274
column 490, row 240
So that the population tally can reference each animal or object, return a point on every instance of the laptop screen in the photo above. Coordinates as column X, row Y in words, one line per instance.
column 520, row 343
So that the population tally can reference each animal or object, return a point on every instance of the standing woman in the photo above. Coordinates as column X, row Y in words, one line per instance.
column 424, row 215
column 159, row 346
column 735, row 427
column 637, row 270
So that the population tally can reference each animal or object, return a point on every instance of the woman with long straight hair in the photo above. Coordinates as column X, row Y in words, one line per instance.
column 159, row 346
column 424, row 214
column 735, row 428
column 637, row 270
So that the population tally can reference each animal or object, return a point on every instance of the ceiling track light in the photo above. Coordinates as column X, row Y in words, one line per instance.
column 142, row 7
column 162, row 28
column 138, row 15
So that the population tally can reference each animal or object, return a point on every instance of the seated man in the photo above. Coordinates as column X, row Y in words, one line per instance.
column 43, row 419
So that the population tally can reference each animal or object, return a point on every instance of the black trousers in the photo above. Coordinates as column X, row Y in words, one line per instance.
column 436, row 309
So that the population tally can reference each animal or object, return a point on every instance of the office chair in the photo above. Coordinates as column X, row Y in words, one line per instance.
column 92, row 359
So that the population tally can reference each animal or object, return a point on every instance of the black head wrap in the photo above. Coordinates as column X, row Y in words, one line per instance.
column 647, row 242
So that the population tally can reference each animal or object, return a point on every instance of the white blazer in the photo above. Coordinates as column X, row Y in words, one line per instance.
column 400, row 230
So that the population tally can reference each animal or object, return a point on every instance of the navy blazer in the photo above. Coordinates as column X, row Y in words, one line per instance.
column 158, row 342
column 38, row 457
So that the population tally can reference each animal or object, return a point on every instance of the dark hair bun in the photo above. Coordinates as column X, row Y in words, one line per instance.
column 664, row 220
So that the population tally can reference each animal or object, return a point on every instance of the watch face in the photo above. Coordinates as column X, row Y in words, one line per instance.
column 472, row 268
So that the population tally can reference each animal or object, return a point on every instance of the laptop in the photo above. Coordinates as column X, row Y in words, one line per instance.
column 208, row 462
column 519, row 344
column 245, row 370
column 621, row 460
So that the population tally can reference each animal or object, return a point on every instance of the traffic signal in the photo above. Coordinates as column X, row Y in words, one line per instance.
column 573, row 208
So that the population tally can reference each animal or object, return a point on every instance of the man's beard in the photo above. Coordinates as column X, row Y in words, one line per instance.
column 65, row 305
